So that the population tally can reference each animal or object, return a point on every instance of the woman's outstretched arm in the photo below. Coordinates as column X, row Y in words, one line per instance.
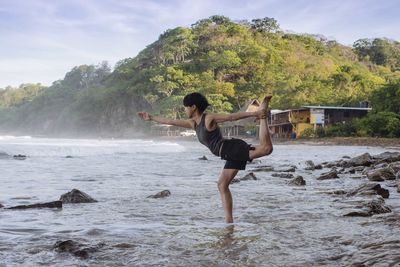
column 261, row 114
column 180, row 123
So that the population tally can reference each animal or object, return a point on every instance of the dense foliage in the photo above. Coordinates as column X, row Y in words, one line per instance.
column 230, row 62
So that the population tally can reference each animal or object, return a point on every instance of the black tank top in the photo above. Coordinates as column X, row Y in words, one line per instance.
column 211, row 139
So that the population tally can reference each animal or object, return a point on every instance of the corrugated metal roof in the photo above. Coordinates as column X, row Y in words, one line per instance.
column 329, row 107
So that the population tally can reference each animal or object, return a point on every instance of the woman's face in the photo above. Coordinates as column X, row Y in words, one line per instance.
column 190, row 111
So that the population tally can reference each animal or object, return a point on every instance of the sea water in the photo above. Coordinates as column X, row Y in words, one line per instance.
column 275, row 224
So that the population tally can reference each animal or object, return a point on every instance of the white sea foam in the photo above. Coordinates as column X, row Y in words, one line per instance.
column 11, row 137
column 83, row 147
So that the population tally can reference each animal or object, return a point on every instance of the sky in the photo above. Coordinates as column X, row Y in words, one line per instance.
column 41, row 40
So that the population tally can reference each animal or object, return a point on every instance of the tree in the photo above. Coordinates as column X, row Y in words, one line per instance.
column 265, row 25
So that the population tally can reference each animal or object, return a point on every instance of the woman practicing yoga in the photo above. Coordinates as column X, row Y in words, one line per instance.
column 236, row 152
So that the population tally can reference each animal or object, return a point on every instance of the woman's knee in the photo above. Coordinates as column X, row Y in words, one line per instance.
column 267, row 150
column 223, row 185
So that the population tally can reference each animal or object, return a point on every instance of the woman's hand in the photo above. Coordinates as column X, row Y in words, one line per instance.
column 144, row 116
column 262, row 113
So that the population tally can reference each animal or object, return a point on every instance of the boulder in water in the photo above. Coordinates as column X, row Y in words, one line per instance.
column 310, row 165
column 54, row 204
column 318, row 167
column 203, row 158
column 387, row 157
column 75, row 248
column 76, row 196
column 286, row 169
column 333, row 174
column 263, row 169
column 1, row 206
column 337, row 163
column 395, row 166
column 19, row 157
column 381, row 174
column 369, row 189
column 282, row 175
column 162, row 194
column 362, row 160
column 68, row 157
column 370, row 208
column 249, row 176
column 298, row 181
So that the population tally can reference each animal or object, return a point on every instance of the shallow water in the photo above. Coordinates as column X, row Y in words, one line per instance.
column 276, row 224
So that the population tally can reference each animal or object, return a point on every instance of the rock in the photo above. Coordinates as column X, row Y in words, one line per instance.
column 76, row 196
column 75, row 248
column 54, row 204
column 298, row 181
column 398, row 175
column 282, row 175
column 203, row 158
column 19, row 157
column 68, row 157
column 387, row 157
column 310, row 165
column 286, row 169
column 339, row 192
column 377, row 206
column 369, row 189
column 234, row 181
column 1, row 206
column 254, row 161
column 362, row 160
column 355, row 169
column 333, row 174
column 346, row 157
column 337, row 163
column 380, row 165
column 383, row 192
column 370, row 208
column 162, row 194
column 357, row 214
column 263, row 169
column 398, row 187
column 395, row 166
column 381, row 174
column 318, row 167
column 249, row 176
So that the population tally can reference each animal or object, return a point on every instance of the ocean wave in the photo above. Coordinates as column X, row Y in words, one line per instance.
column 85, row 147
column 12, row 137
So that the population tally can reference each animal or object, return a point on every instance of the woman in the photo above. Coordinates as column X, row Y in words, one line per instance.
column 236, row 152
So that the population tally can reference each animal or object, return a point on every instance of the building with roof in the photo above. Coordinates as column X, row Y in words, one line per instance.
column 286, row 123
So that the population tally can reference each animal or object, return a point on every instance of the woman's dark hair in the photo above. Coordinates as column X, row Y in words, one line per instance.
column 196, row 99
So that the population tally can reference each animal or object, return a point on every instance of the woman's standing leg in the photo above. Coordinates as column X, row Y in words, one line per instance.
column 225, row 179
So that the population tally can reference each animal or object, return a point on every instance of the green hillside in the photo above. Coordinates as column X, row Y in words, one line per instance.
column 230, row 62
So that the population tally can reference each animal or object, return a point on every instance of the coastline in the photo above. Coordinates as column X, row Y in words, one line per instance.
column 393, row 143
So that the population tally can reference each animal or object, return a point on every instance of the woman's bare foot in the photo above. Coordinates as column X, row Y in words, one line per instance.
column 263, row 109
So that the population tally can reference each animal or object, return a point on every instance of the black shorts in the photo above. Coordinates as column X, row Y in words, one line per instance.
column 236, row 153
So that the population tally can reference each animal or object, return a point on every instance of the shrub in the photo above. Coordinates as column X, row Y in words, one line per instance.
column 380, row 124
column 341, row 129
